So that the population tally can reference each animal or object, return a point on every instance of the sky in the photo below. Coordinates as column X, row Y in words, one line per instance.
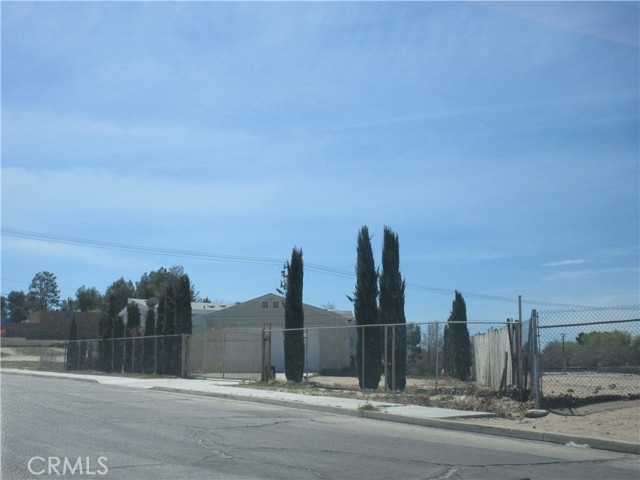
column 500, row 141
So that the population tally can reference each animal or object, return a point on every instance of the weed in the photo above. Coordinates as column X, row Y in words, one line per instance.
column 368, row 407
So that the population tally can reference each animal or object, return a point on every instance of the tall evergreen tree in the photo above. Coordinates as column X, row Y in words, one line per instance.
column 392, row 311
column 44, row 293
column 89, row 299
column 149, row 341
column 122, row 290
column 457, row 342
column 18, row 306
column 132, row 331
column 106, row 335
column 183, row 305
column 294, row 318
column 118, row 335
column 369, row 342
column 167, row 327
column 155, row 283
column 72, row 347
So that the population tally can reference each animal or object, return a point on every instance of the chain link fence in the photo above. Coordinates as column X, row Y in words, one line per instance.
column 231, row 353
column 557, row 357
column 493, row 362
column 159, row 354
column 586, row 355
column 163, row 354
column 33, row 354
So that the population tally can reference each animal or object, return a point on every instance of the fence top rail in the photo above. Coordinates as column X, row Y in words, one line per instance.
column 501, row 323
column 613, row 308
column 584, row 324
column 141, row 337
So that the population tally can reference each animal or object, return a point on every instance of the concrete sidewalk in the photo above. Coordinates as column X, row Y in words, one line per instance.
column 409, row 414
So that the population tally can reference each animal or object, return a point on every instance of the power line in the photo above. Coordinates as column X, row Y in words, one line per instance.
column 312, row 267
column 46, row 237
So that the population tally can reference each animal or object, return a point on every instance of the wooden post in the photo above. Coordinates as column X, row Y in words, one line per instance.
column 503, row 381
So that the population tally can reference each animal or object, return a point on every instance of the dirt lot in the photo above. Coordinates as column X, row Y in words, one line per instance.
column 29, row 356
column 616, row 420
column 588, row 384
column 610, row 420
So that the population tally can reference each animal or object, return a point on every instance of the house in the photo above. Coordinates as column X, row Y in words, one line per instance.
column 228, row 337
column 237, row 331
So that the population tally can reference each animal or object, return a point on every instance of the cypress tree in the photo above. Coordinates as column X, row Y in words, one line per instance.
column 294, row 319
column 161, row 329
column 392, row 310
column 366, row 312
column 149, row 341
column 72, row 348
column 167, row 328
column 169, row 307
column 459, row 355
column 118, row 334
column 106, row 335
column 132, row 330
column 183, row 306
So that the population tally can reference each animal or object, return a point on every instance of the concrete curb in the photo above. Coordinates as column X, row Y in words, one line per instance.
column 597, row 443
column 35, row 373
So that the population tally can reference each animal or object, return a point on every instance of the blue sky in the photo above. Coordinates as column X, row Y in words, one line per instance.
column 499, row 140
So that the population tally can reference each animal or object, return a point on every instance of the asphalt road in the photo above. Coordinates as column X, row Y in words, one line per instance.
column 121, row 433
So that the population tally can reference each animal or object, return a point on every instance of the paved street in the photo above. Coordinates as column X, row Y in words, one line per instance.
column 144, row 434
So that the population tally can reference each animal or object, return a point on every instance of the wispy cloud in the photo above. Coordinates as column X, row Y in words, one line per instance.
column 565, row 263
column 613, row 21
column 593, row 272
column 456, row 255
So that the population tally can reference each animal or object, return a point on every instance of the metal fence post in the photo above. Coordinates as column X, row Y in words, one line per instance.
column 386, row 360
column 306, row 352
column 155, row 355
column 184, row 372
column 393, row 358
column 536, row 381
column 362, row 357
column 224, row 345
column 124, row 355
column 263, row 376
column 437, row 356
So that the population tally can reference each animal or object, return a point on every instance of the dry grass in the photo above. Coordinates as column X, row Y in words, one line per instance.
column 449, row 394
